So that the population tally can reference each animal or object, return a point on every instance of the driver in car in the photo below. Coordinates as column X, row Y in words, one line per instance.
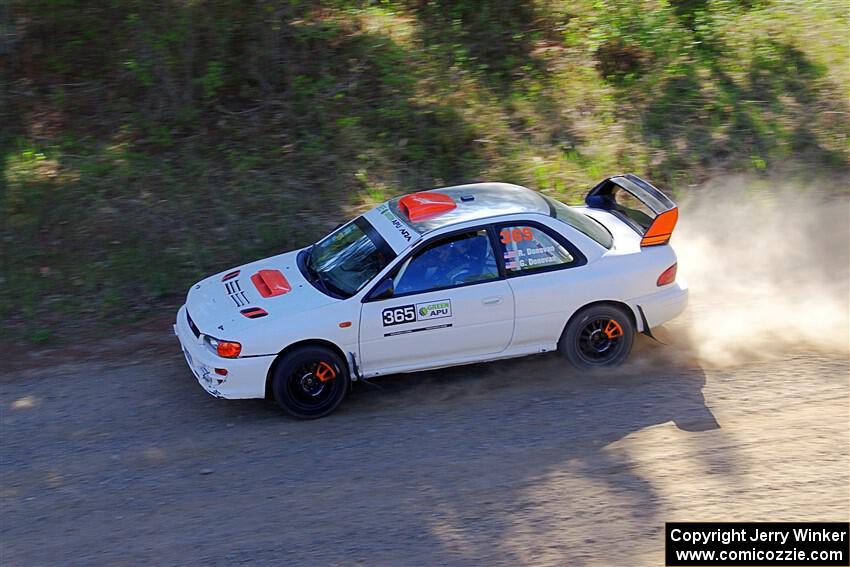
column 442, row 266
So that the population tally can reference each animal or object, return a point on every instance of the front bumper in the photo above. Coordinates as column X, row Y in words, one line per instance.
column 246, row 377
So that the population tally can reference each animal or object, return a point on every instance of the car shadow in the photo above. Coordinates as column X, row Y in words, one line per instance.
column 528, row 449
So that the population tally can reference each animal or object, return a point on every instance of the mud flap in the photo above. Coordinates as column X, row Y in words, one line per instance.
column 646, row 330
column 355, row 371
column 355, row 374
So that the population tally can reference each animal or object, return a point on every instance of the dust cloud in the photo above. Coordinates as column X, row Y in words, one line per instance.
column 767, row 265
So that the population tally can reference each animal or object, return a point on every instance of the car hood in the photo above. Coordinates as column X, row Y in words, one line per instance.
column 253, row 294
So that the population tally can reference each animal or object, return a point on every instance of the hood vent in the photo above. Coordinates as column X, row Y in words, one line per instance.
column 254, row 312
column 234, row 290
column 271, row 283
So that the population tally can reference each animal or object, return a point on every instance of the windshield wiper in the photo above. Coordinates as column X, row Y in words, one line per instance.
column 334, row 289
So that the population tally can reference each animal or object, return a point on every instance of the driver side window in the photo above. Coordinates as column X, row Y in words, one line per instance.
column 458, row 260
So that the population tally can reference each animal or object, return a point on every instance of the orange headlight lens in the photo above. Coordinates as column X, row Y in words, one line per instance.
column 228, row 349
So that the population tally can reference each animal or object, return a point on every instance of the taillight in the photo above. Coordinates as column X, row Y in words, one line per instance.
column 668, row 276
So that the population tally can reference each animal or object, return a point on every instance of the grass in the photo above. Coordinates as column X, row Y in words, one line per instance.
column 214, row 133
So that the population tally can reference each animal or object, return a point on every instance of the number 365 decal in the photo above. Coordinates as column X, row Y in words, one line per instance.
column 516, row 235
column 399, row 315
column 418, row 312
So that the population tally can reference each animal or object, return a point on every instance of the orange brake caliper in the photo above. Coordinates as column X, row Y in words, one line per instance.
column 613, row 330
column 324, row 372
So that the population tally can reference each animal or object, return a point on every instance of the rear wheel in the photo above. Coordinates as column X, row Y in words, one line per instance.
column 310, row 382
column 597, row 336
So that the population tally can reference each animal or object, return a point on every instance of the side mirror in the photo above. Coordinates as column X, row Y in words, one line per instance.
column 383, row 290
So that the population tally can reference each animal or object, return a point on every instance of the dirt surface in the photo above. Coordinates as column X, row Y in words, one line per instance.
column 519, row 462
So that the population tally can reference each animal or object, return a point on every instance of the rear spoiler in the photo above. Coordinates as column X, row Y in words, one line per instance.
column 653, row 217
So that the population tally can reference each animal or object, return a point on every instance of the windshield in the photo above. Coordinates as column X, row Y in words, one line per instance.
column 581, row 222
column 348, row 258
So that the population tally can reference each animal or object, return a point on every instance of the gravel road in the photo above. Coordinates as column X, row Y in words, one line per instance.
column 519, row 462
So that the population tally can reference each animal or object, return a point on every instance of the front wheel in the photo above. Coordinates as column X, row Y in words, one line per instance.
column 310, row 382
column 597, row 336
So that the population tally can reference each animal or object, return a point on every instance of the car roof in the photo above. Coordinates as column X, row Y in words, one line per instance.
column 474, row 201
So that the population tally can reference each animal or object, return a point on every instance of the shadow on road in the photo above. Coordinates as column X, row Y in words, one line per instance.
column 518, row 461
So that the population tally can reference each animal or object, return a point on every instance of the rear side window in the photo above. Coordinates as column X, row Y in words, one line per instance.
column 581, row 222
column 528, row 249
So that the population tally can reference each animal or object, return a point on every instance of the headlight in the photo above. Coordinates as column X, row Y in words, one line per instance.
column 225, row 349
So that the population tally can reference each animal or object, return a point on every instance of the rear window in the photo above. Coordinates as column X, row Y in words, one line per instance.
column 581, row 222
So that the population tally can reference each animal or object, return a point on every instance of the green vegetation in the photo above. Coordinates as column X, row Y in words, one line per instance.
column 146, row 144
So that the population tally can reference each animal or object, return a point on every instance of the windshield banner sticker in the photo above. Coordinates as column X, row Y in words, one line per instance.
column 385, row 210
column 417, row 312
column 398, row 234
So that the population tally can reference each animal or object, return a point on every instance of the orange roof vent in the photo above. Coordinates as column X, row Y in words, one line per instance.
column 271, row 283
column 421, row 206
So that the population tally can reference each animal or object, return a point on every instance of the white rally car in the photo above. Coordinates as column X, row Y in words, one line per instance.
column 438, row 278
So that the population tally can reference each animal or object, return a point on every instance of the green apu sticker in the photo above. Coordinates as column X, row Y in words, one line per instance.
column 433, row 310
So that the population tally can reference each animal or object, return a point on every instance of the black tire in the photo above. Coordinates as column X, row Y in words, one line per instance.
column 310, row 382
column 597, row 336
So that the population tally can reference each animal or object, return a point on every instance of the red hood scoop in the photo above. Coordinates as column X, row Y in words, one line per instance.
column 271, row 283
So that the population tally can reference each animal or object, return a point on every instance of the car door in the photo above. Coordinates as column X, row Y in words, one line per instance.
column 450, row 304
column 548, row 278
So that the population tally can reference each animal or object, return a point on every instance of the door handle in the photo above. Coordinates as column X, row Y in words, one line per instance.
column 492, row 300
